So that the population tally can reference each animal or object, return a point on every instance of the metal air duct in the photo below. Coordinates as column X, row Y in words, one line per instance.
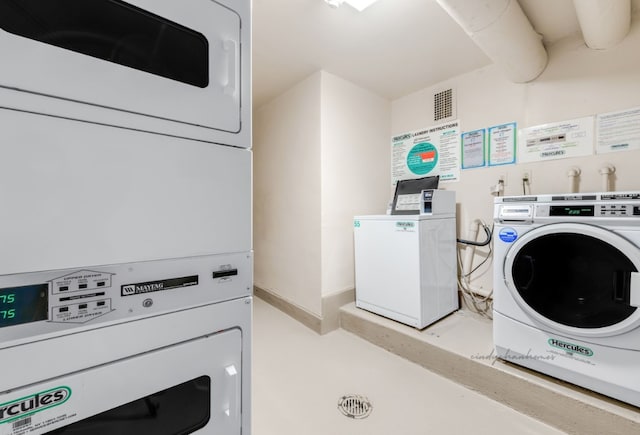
column 502, row 30
column 604, row 23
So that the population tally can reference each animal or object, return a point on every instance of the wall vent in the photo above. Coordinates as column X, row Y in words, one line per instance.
column 444, row 107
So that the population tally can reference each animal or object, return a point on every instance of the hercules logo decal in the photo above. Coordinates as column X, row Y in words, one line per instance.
column 28, row 405
column 570, row 347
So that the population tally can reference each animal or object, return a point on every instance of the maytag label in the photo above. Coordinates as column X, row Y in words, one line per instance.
column 159, row 285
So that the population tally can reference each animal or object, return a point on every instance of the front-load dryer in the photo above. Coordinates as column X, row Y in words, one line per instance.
column 567, row 288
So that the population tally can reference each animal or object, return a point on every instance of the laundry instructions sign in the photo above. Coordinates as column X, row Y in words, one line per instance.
column 427, row 152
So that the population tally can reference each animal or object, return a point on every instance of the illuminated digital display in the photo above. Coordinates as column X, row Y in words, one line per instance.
column 23, row 304
column 572, row 210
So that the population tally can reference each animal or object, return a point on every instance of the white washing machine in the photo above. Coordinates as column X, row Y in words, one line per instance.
column 567, row 288
column 405, row 266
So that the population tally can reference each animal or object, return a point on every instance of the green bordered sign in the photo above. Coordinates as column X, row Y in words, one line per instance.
column 570, row 347
column 405, row 226
column 29, row 405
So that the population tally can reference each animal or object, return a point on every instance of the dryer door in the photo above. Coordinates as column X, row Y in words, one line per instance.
column 576, row 278
column 178, row 62
column 190, row 387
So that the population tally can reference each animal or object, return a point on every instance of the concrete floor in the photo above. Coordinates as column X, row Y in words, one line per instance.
column 299, row 377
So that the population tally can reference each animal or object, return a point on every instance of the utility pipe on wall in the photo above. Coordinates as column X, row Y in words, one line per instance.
column 606, row 172
column 604, row 23
column 574, row 179
column 470, row 250
column 466, row 265
column 502, row 30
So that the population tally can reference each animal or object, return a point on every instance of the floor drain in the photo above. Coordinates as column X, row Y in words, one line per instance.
column 355, row 406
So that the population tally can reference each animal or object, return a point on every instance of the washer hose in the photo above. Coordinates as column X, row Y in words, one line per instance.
column 485, row 242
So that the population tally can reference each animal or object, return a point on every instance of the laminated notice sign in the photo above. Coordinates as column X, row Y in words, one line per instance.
column 618, row 131
column 473, row 149
column 427, row 152
column 502, row 144
column 556, row 140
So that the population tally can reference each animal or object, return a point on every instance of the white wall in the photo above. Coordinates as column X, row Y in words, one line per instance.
column 322, row 151
column 286, row 186
column 321, row 156
column 355, row 158
column 577, row 82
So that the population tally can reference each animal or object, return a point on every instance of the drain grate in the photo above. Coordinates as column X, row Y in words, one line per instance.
column 354, row 406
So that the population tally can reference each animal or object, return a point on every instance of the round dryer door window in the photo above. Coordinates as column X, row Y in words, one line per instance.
column 575, row 275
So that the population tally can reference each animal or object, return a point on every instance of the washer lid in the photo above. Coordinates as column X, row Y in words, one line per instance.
column 576, row 278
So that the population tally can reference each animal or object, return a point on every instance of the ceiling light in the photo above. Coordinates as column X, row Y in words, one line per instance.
column 359, row 5
column 334, row 3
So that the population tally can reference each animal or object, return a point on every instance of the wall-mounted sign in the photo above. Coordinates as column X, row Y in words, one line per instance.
column 502, row 144
column 618, row 131
column 426, row 152
column 474, row 149
column 556, row 140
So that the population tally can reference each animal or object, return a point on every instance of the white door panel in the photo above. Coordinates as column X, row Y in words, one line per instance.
column 74, row 193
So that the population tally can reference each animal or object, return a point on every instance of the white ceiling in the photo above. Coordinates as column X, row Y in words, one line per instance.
column 392, row 48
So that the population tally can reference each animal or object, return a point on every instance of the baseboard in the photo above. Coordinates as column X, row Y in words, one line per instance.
column 331, row 308
column 308, row 319
column 331, row 304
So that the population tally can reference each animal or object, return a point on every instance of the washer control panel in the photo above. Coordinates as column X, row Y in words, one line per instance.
column 595, row 210
column 593, row 205
column 39, row 304
column 619, row 210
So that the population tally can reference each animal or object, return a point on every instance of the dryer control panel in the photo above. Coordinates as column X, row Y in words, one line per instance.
column 40, row 305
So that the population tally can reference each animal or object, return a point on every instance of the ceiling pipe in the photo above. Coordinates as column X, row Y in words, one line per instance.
column 502, row 30
column 604, row 23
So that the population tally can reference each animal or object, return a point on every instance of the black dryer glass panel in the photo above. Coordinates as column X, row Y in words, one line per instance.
column 114, row 31
column 178, row 410
column 574, row 279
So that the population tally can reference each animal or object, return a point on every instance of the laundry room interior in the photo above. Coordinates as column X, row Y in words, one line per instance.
column 331, row 105
column 285, row 217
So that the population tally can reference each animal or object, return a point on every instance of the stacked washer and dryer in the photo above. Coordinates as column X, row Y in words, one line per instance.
column 125, row 219
column 567, row 288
